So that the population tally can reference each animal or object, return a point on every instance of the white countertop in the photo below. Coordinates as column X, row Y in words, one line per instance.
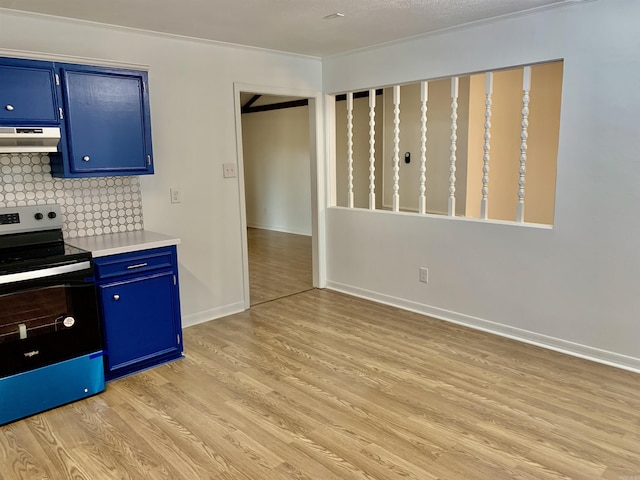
column 115, row 243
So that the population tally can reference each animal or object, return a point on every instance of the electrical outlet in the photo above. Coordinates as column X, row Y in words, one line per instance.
column 176, row 195
column 424, row 275
column 229, row 170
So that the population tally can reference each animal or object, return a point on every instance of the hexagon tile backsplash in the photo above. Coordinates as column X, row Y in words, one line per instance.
column 91, row 206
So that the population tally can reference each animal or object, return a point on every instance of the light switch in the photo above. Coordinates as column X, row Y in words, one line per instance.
column 229, row 170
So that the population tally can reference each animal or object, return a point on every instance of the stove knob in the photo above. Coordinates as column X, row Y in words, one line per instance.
column 51, row 215
column 38, row 216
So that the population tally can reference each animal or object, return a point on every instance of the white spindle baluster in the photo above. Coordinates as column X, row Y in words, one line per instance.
column 372, row 149
column 396, row 148
column 350, row 147
column 454, row 139
column 526, row 87
column 422, row 199
column 484, row 205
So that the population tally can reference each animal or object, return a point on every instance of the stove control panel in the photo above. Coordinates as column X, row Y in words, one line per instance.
column 9, row 218
column 30, row 219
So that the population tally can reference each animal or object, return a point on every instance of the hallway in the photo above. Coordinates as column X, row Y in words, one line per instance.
column 279, row 264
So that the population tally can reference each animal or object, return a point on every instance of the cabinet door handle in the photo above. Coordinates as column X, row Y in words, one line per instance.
column 86, row 158
column 137, row 265
column 116, row 297
column 9, row 108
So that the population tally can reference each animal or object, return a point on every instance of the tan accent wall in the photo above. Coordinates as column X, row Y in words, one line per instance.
column 506, row 119
column 476, row 144
column 544, row 135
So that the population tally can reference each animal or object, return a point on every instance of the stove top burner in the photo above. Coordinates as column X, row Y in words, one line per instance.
column 39, row 253
column 31, row 237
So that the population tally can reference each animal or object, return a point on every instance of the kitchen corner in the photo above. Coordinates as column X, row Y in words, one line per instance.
column 74, row 139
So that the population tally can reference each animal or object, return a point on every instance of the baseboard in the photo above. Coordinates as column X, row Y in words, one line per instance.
column 557, row 344
column 295, row 231
column 207, row 315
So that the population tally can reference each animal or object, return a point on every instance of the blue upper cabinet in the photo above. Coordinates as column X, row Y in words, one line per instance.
column 27, row 93
column 106, row 123
column 103, row 114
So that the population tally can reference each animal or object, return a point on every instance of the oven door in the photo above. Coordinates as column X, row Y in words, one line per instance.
column 47, row 314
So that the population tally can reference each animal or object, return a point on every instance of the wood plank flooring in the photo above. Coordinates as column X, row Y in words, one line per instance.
column 323, row 386
column 279, row 264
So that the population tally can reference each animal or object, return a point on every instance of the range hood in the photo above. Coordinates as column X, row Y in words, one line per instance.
column 29, row 139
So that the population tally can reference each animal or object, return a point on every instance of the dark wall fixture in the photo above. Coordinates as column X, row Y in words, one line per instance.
column 249, row 108
column 343, row 97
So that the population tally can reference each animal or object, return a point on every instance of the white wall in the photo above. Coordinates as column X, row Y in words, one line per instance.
column 572, row 287
column 277, row 165
column 193, row 123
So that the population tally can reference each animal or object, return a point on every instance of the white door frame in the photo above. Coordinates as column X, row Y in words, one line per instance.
column 318, row 178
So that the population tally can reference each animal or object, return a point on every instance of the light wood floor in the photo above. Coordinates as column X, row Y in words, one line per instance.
column 324, row 386
column 279, row 264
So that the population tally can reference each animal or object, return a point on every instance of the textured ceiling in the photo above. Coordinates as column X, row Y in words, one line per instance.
column 295, row 26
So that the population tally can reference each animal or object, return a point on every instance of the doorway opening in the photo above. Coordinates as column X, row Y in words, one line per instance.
column 278, row 141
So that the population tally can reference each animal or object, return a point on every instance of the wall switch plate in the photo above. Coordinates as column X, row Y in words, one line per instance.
column 229, row 170
column 176, row 195
column 424, row 275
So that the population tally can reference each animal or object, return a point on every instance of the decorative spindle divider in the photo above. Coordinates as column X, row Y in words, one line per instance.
column 484, row 205
column 526, row 87
column 424, row 96
column 396, row 148
column 489, row 135
column 372, row 149
column 454, row 141
column 350, row 148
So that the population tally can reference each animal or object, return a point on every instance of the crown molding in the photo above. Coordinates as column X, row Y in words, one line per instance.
column 151, row 33
column 463, row 27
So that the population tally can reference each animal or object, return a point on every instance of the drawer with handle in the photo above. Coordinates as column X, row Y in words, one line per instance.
column 134, row 263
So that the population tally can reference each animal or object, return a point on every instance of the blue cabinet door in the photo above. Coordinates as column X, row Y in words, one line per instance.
column 140, row 323
column 27, row 93
column 107, row 121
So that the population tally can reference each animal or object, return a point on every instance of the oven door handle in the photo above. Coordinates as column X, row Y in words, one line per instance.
column 43, row 273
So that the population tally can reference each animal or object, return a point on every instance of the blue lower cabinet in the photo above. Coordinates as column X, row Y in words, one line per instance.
column 47, row 387
column 141, row 311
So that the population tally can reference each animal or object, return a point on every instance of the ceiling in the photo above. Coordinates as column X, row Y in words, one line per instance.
column 296, row 26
